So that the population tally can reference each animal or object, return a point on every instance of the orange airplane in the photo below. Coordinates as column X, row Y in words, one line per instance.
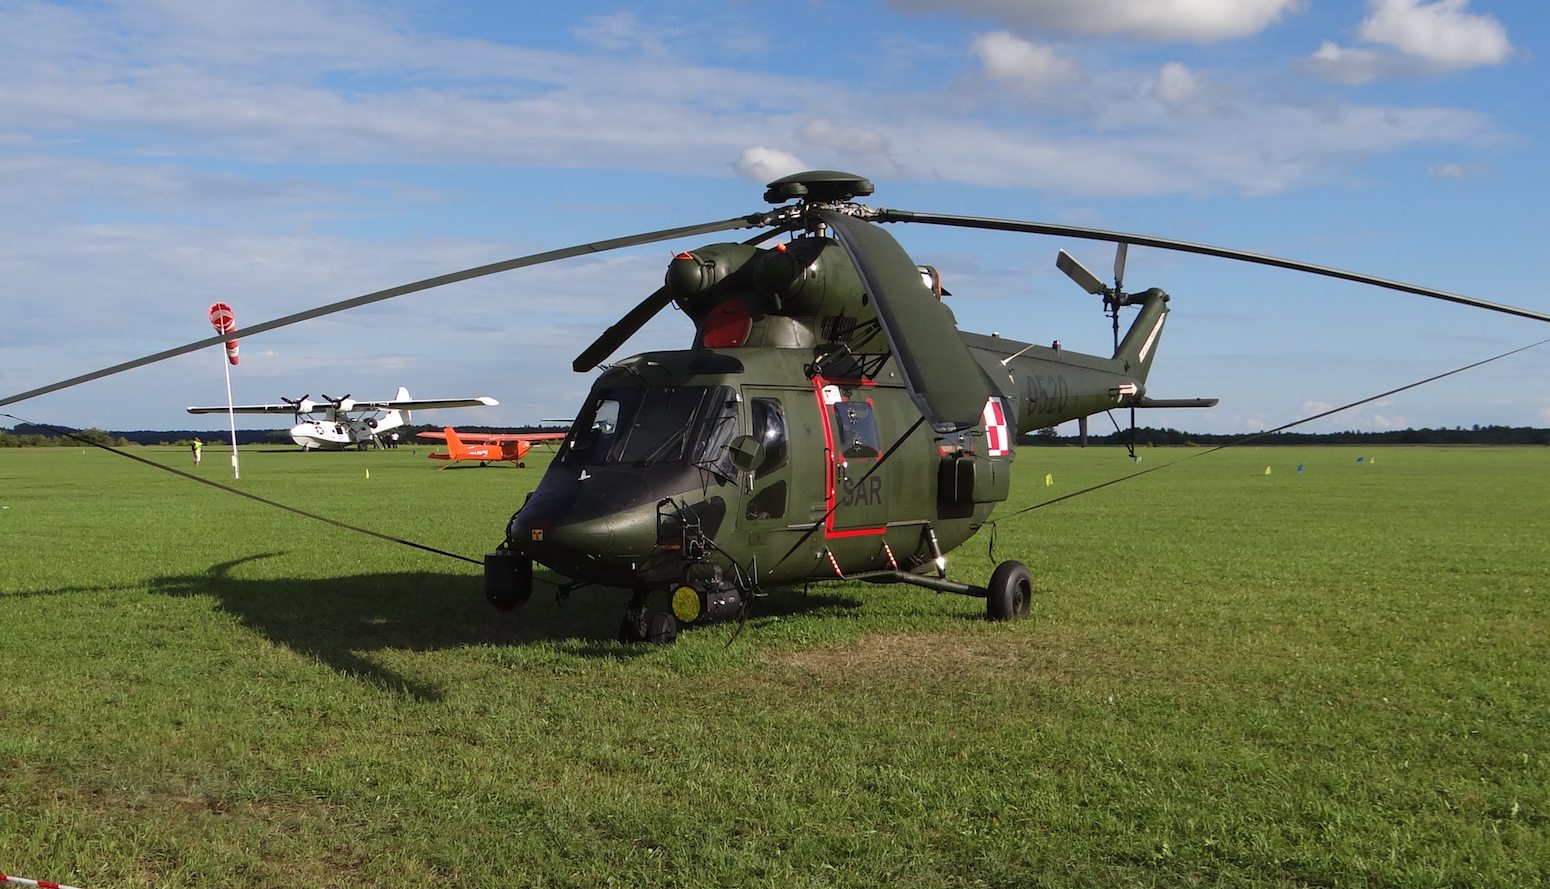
column 488, row 447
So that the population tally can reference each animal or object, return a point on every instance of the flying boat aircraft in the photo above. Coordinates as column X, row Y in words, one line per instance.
column 335, row 424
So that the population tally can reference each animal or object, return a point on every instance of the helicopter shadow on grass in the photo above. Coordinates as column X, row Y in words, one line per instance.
column 340, row 621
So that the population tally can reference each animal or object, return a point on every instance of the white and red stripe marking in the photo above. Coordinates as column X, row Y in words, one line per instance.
column 19, row 881
column 996, row 437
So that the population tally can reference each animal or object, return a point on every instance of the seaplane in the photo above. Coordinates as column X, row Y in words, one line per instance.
column 336, row 424
column 487, row 447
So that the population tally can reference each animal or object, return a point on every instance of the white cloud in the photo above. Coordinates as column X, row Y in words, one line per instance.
column 1025, row 64
column 1358, row 66
column 1196, row 21
column 1313, row 408
column 249, row 86
column 1175, row 82
column 618, row 32
column 1442, row 32
column 1457, row 171
column 767, row 164
column 860, row 140
column 1430, row 38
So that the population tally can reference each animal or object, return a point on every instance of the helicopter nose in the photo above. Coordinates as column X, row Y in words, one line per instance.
column 581, row 538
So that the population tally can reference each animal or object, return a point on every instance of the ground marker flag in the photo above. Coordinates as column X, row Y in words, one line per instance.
column 1299, row 467
column 368, row 473
column 1049, row 479
column 1360, row 459
column 1267, row 470
column 225, row 321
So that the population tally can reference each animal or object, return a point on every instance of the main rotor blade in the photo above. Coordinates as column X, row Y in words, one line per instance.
column 427, row 284
column 943, row 379
column 622, row 330
column 636, row 318
column 1094, row 234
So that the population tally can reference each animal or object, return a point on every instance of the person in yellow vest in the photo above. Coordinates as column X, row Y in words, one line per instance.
column 198, row 445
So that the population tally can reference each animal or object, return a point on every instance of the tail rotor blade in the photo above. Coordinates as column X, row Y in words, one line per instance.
column 1079, row 273
column 1119, row 265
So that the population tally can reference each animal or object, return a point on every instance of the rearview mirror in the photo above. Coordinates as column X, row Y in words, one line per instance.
column 747, row 452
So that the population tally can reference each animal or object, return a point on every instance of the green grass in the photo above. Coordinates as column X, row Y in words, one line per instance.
column 1332, row 678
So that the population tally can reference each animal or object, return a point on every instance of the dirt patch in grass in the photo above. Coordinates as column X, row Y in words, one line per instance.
column 905, row 652
column 1043, row 659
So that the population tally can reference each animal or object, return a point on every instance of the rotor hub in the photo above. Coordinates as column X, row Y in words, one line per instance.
column 818, row 187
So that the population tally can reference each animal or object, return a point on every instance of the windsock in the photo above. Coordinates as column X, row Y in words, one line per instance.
column 225, row 322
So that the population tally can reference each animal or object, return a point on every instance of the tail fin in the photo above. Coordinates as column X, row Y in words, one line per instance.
column 455, row 446
column 1139, row 346
column 403, row 395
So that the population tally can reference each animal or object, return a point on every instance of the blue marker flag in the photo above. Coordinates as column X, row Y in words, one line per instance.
column 1299, row 467
column 1360, row 459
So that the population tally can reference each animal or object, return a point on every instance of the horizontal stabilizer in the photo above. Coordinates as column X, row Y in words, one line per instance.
column 1177, row 402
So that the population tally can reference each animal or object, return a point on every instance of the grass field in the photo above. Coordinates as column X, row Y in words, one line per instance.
column 1338, row 677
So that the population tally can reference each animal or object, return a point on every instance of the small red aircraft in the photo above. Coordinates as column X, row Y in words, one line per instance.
column 488, row 447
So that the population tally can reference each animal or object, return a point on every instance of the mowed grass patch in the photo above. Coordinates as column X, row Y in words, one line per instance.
column 1230, row 678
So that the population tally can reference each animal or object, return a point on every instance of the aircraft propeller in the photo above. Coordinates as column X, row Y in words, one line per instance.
column 340, row 404
column 302, row 405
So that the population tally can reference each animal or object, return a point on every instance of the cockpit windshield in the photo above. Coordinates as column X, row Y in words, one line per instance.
column 644, row 426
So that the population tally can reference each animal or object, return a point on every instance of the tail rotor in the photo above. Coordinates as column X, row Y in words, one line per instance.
column 1113, row 297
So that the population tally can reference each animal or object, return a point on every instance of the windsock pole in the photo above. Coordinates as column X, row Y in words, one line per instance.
column 224, row 321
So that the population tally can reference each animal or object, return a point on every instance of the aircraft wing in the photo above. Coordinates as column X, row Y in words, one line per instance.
column 247, row 409
column 426, row 404
column 496, row 437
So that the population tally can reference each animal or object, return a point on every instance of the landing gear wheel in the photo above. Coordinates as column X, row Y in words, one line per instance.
column 1011, row 592
column 663, row 629
column 633, row 629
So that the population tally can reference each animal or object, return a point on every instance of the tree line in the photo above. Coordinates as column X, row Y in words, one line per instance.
column 1145, row 436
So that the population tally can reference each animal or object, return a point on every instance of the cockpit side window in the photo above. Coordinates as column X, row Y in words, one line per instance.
column 769, row 427
column 717, row 426
column 597, row 426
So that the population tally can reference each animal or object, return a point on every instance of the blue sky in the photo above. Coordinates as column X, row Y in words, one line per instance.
column 159, row 156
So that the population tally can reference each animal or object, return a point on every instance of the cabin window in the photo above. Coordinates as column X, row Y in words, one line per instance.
column 769, row 503
column 855, row 430
column 769, row 427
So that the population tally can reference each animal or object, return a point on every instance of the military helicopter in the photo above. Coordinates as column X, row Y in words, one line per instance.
column 828, row 421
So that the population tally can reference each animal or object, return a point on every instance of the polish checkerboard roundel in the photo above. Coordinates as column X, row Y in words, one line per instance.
column 997, row 437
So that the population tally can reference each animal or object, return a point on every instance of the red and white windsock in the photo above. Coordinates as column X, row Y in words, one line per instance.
column 225, row 322
column 22, row 881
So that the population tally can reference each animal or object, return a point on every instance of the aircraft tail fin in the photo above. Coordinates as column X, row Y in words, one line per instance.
column 403, row 395
column 455, row 446
column 1139, row 347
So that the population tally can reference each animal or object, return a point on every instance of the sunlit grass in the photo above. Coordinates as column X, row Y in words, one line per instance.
column 1332, row 677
